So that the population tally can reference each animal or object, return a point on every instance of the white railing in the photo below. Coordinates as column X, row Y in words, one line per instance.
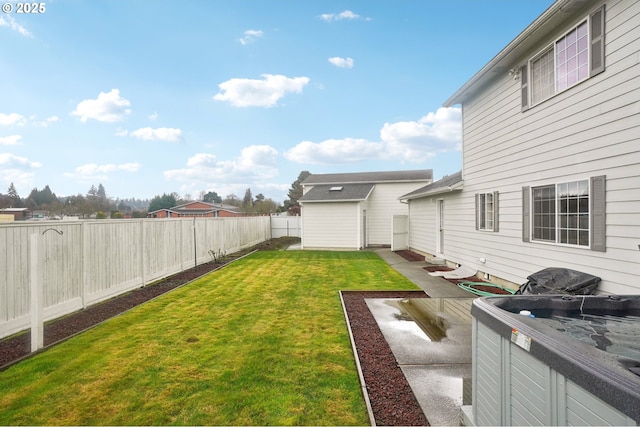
column 77, row 264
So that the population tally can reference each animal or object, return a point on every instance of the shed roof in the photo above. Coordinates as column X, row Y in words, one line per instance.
column 341, row 193
column 515, row 52
column 451, row 182
column 369, row 177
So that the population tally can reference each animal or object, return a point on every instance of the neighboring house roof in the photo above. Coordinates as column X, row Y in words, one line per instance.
column 211, row 206
column 14, row 209
column 449, row 183
column 512, row 55
column 338, row 193
column 369, row 177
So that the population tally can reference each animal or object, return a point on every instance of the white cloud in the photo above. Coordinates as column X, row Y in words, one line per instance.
column 122, row 132
column 10, row 140
column 153, row 116
column 345, row 150
column 250, row 36
column 8, row 21
column 259, row 93
column 341, row 62
column 417, row 141
column 92, row 171
column 411, row 141
column 12, row 119
column 256, row 163
column 157, row 134
column 347, row 14
column 108, row 107
column 18, row 170
column 46, row 122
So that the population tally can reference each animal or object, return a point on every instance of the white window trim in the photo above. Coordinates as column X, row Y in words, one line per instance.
column 552, row 46
column 482, row 208
column 531, row 214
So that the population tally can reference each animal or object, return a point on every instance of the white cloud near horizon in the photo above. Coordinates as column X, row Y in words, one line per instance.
column 12, row 119
column 346, row 14
column 17, row 170
column 10, row 22
column 92, row 172
column 107, row 107
column 250, row 36
column 410, row 141
column 341, row 62
column 10, row 140
column 255, row 165
column 155, row 134
column 259, row 93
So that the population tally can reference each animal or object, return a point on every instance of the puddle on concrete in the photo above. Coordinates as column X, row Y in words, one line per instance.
column 431, row 340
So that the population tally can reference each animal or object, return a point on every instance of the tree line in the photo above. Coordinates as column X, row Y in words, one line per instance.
column 96, row 202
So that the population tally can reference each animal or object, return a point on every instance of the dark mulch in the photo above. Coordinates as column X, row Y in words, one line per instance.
column 392, row 400
column 432, row 268
column 410, row 255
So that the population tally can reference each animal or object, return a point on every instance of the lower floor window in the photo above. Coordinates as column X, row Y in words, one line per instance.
column 485, row 211
column 561, row 213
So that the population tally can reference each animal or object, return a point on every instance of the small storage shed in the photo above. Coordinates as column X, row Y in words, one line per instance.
column 355, row 210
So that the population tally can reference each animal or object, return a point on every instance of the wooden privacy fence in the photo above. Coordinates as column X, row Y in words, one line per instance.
column 76, row 264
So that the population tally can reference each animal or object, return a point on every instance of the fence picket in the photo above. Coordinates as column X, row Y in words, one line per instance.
column 92, row 261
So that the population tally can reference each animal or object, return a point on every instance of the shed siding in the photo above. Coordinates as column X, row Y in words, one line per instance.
column 591, row 129
column 330, row 225
column 383, row 204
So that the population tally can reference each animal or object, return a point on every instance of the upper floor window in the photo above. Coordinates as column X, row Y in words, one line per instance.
column 572, row 58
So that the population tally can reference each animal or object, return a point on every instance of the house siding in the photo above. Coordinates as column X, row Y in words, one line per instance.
column 331, row 225
column 588, row 130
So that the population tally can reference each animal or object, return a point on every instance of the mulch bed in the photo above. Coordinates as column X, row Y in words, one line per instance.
column 392, row 400
column 410, row 255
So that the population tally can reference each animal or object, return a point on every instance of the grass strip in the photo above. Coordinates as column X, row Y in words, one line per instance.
column 260, row 342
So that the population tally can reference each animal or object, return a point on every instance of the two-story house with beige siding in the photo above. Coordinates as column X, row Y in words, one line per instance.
column 551, row 154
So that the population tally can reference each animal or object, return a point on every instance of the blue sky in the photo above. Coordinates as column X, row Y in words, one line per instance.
column 152, row 96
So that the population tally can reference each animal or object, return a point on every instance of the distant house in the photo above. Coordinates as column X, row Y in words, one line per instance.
column 19, row 214
column 197, row 209
column 551, row 154
column 354, row 210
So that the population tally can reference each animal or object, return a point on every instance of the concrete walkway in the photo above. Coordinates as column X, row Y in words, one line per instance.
column 435, row 287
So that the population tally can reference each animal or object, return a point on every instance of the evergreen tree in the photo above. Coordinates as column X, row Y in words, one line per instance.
column 12, row 193
column 166, row 201
column 295, row 192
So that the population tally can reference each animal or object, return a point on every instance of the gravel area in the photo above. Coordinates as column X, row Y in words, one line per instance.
column 392, row 400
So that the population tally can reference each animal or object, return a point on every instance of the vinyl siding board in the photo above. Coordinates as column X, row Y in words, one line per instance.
column 422, row 225
column 588, row 130
column 382, row 205
column 330, row 225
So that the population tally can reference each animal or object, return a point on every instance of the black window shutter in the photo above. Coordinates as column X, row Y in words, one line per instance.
column 597, row 41
column 597, row 212
column 495, row 211
column 524, row 87
column 526, row 210
column 477, row 211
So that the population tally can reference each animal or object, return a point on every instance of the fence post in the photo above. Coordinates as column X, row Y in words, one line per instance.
column 37, row 328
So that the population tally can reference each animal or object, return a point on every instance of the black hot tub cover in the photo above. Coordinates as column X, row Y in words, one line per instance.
column 556, row 280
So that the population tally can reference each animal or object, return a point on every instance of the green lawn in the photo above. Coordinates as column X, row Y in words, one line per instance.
column 262, row 341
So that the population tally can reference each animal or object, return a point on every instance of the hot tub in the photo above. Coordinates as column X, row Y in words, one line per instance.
column 574, row 360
